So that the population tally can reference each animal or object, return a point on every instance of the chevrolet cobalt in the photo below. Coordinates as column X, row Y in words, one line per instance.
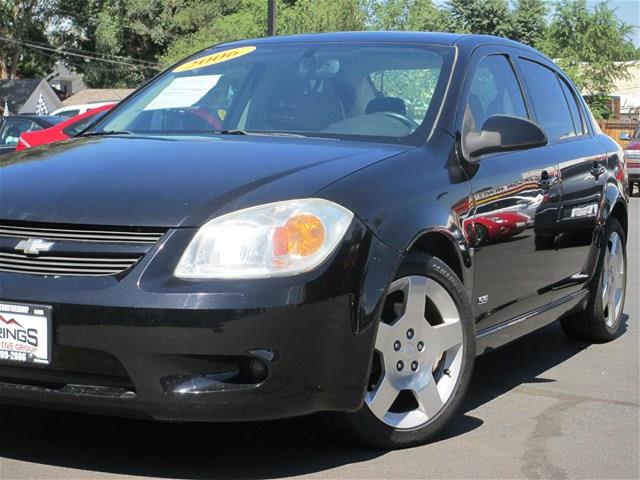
column 276, row 227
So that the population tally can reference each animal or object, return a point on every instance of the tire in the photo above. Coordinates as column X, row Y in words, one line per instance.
column 482, row 234
column 630, row 188
column 428, row 386
column 601, row 321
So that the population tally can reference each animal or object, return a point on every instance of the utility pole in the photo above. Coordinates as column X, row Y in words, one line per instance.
column 271, row 17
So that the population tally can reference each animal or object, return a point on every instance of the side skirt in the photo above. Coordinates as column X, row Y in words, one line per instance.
column 509, row 330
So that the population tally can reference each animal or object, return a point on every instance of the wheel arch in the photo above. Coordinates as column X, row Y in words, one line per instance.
column 619, row 212
column 440, row 243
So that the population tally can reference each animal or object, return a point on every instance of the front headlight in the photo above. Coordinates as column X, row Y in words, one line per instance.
column 276, row 239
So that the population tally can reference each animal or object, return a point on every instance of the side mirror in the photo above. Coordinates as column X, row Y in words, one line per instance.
column 625, row 136
column 503, row 133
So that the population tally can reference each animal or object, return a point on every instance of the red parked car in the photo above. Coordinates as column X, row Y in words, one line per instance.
column 498, row 226
column 632, row 157
column 61, row 131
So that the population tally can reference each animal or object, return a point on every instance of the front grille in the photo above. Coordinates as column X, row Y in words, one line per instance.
column 75, row 235
column 74, row 250
column 64, row 265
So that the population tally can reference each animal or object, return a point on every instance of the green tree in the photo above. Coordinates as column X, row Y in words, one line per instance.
column 412, row 15
column 316, row 16
column 248, row 19
column 239, row 19
column 591, row 45
column 489, row 17
column 127, row 36
column 529, row 21
column 22, row 21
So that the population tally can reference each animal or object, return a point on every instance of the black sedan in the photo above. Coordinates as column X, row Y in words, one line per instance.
column 13, row 126
column 283, row 226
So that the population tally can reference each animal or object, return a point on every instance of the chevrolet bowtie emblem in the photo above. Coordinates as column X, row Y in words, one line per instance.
column 33, row 246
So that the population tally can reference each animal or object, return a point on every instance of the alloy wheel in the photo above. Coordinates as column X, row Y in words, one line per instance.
column 613, row 280
column 418, row 353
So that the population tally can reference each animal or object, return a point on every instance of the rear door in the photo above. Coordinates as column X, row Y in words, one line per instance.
column 582, row 170
column 515, row 195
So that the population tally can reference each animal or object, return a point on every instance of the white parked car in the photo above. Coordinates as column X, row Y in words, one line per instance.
column 73, row 110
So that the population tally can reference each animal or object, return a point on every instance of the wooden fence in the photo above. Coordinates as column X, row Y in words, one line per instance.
column 615, row 129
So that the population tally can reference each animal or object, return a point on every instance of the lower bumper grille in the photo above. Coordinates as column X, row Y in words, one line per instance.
column 72, row 366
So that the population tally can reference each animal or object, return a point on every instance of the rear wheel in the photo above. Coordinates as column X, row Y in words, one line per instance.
column 424, row 354
column 602, row 319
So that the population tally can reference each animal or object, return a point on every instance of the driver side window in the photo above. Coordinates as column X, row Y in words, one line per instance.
column 494, row 90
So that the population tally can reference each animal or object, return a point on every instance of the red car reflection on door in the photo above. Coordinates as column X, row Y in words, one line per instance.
column 497, row 226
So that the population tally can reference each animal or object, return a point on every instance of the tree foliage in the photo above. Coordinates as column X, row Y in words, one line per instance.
column 489, row 17
column 124, row 42
column 587, row 43
column 19, row 20
column 412, row 15
column 528, row 22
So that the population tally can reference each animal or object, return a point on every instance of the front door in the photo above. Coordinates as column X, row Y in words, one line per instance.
column 516, row 199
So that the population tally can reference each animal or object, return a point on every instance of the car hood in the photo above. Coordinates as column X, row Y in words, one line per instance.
column 42, row 137
column 144, row 181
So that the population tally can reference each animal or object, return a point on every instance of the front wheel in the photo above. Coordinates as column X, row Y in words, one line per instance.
column 423, row 358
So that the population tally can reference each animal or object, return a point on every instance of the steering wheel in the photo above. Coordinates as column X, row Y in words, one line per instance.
column 406, row 121
column 206, row 116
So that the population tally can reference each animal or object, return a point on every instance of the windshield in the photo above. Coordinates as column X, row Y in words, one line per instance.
column 372, row 92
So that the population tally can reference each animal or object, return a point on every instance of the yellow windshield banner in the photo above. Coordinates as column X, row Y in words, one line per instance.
column 214, row 58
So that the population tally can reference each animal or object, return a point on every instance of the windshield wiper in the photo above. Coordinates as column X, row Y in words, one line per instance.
column 105, row 133
column 258, row 133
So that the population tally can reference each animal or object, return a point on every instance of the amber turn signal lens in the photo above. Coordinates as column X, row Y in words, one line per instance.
column 301, row 235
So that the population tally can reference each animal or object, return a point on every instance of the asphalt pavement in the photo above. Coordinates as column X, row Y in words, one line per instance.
column 542, row 407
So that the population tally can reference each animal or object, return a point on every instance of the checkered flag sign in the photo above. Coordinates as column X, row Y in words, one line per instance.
column 5, row 112
column 41, row 107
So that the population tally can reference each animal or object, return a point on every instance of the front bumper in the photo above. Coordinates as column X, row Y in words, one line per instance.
column 147, row 344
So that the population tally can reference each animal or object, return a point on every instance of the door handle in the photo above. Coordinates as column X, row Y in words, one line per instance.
column 597, row 169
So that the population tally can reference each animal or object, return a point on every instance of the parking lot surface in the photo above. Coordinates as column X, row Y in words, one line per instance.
column 542, row 407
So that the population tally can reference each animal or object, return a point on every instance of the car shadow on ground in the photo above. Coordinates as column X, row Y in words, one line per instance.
column 264, row 450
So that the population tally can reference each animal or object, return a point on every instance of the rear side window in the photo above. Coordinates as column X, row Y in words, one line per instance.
column 69, row 113
column 494, row 90
column 549, row 101
column 573, row 106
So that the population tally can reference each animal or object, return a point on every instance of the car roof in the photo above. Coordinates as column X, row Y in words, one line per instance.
column 81, row 106
column 437, row 38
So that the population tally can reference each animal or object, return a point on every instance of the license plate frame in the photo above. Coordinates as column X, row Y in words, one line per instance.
column 26, row 334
